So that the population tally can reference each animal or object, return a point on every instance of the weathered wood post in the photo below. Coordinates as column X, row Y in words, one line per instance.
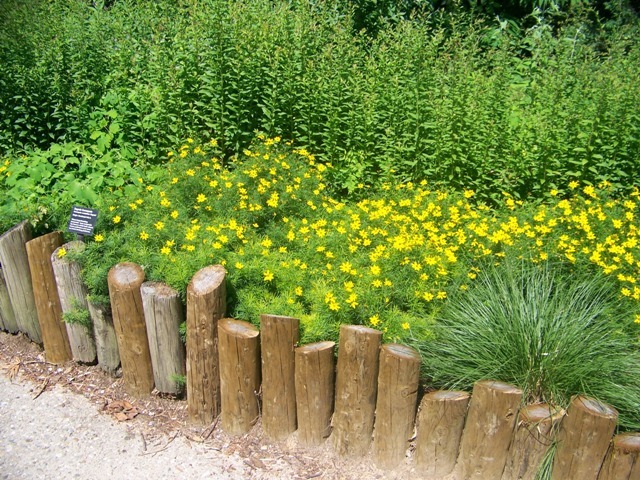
column 239, row 375
column 163, row 315
column 315, row 377
column 396, row 403
column 124, row 281
column 535, row 432
column 8, row 320
column 440, row 423
column 15, row 266
column 54, row 334
column 356, row 389
column 73, row 299
column 493, row 411
column 279, row 337
column 206, row 304
column 583, row 439
column 105, row 336
column 623, row 458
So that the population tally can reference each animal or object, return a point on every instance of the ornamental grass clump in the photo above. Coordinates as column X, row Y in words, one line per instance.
column 551, row 331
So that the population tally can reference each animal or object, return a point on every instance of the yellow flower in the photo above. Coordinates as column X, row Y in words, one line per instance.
column 159, row 225
column 268, row 276
column 298, row 291
column 165, row 202
column 61, row 252
column 144, row 235
column 374, row 320
column 405, row 326
column 190, row 172
column 174, row 214
column 174, row 180
column 469, row 193
column 165, row 250
column 239, row 265
column 573, row 185
column 99, row 237
column 201, row 198
column 117, row 219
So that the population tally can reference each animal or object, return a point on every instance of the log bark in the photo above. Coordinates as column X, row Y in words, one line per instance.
column 356, row 389
column 314, row 377
column 8, row 320
column 124, row 281
column 206, row 304
column 239, row 375
column 623, row 458
column 54, row 334
column 440, row 424
column 279, row 337
column 163, row 315
column 583, row 439
column 396, row 403
column 487, row 433
column 535, row 432
column 105, row 337
column 73, row 296
column 15, row 266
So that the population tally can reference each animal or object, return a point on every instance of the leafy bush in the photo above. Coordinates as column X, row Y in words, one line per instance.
column 553, row 332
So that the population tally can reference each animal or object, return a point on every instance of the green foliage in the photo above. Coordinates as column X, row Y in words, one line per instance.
column 78, row 315
column 552, row 332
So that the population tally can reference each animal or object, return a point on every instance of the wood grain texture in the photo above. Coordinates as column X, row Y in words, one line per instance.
column 163, row 315
column 623, row 458
column 105, row 337
column 73, row 296
column 8, row 320
column 315, row 387
column 356, row 389
column 54, row 334
column 492, row 415
column 440, row 423
column 17, row 275
column 239, row 375
column 279, row 337
column 583, row 439
column 124, row 281
column 206, row 305
column 397, row 399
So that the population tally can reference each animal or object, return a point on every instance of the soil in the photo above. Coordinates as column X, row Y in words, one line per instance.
column 76, row 421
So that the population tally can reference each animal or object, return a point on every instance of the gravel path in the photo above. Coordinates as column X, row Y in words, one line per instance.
column 60, row 435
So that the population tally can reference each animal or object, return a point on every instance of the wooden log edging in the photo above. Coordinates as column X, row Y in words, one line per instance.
column 315, row 387
column 57, row 349
column 73, row 297
column 8, row 320
column 356, row 389
column 124, row 281
column 105, row 337
column 206, row 305
column 279, row 337
column 535, row 432
column 440, row 423
column 623, row 458
column 163, row 315
column 17, row 275
column 239, row 350
column 398, row 378
column 488, row 429
column 583, row 439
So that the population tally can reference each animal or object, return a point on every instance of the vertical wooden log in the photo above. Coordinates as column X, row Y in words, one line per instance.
column 356, row 389
column 206, row 304
column 163, row 315
column 487, row 433
column 315, row 376
column 583, row 439
column 535, row 432
column 279, row 336
column 54, row 334
column 440, row 423
column 105, row 337
column 15, row 266
column 73, row 297
column 124, row 281
column 8, row 320
column 239, row 375
column 396, row 403
column 623, row 458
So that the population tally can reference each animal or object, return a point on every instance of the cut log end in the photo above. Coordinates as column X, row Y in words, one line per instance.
column 447, row 395
column 126, row 275
column 594, row 407
column 158, row 289
column 627, row 442
column 539, row 412
column 359, row 329
column 502, row 387
column 402, row 352
column 238, row 328
column 207, row 279
column 315, row 347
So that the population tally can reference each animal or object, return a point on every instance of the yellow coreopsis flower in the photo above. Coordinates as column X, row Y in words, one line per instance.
column 99, row 237
column 268, row 276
